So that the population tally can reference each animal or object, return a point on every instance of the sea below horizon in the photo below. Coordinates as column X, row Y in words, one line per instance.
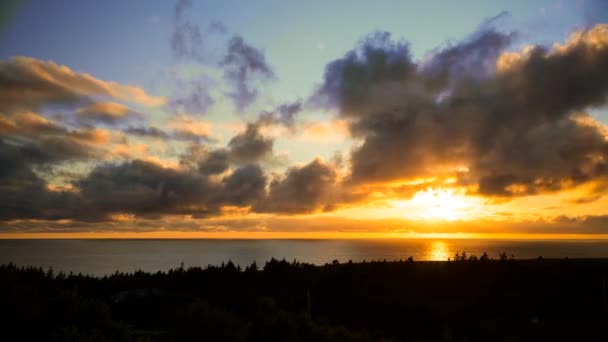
column 105, row 256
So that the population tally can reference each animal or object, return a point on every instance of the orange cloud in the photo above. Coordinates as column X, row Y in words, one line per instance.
column 188, row 126
column 42, row 81
column 112, row 109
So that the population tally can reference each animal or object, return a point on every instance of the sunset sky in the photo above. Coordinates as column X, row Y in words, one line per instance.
column 303, row 118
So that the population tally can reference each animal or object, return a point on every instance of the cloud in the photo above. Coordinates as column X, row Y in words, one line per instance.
column 331, row 132
column 250, row 145
column 191, row 96
column 245, row 186
column 149, row 132
column 25, row 194
column 109, row 113
column 28, row 84
column 246, row 147
column 186, row 40
column 302, row 190
column 349, row 83
column 146, row 189
column 142, row 188
column 215, row 162
column 242, row 65
column 42, row 141
column 333, row 225
column 518, row 130
column 188, row 44
column 188, row 128
column 500, row 123
column 284, row 114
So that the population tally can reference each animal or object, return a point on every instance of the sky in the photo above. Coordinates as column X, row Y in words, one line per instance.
column 303, row 119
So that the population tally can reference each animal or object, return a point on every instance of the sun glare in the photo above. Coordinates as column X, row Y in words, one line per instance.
column 441, row 204
column 438, row 251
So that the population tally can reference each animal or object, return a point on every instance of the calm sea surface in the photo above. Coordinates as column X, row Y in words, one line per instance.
column 99, row 257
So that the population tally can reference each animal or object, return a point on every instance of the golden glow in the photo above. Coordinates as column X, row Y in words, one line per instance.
column 295, row 235
column 439, row 204
column 438, row 250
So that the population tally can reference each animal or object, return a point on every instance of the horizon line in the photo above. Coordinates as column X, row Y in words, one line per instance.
column 248, row 235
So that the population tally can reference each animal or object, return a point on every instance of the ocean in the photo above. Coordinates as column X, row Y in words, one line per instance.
column 105, row 256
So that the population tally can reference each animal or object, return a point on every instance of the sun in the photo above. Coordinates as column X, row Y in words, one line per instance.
column 441, row 204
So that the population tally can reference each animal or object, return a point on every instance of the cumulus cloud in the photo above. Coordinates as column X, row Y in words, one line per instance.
column 142, row 188
column 517, row 130
column 302, row 189
column 215, row 162
column 23, row 193
column 148, row 190
column 499, row 122
column 250, row 145
column 32, row 148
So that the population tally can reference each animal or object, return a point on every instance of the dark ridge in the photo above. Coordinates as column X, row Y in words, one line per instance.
column 466, row 299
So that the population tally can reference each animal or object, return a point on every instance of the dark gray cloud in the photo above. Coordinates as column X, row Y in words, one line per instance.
column 215, row 162
column 242, row 65
column 157, row 133
column 349, row 83
column 473, row 58
column 142, row 188
column 145, row 189
column 30, row 148
column 245, row 186
column 41, row 141
column 515, row 129
column 246, row 147
column 24, row 194
column 302, row 190
column 250, row 145
column 284, row 114
column 149, row 132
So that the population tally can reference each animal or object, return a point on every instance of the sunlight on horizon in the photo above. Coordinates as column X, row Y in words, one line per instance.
column 438, row 251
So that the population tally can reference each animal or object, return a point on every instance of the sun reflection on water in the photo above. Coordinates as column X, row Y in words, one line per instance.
column 438, row 250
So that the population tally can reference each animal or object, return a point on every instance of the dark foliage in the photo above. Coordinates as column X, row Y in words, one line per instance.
column 468, row 299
